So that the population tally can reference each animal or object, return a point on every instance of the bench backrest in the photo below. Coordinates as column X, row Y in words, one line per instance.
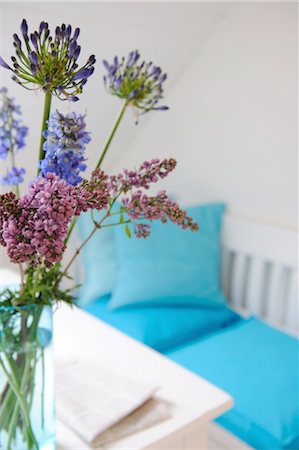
column 259, row 271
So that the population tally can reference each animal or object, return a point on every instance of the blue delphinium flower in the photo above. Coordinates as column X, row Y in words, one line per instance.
column 49, row 61
column 12, row 135
column 139, row 83
column 14, row 177
column 64, row 146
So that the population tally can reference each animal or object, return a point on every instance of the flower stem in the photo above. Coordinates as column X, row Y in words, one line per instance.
column 15, row 414
column 46, row 115
column 103, row 154
column 13, row 381
column 73, row 223
column 111, row 136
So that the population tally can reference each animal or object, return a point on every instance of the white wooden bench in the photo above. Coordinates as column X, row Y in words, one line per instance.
column 259, row 273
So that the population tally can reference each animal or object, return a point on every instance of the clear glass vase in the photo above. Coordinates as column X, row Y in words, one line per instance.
column 27, row 416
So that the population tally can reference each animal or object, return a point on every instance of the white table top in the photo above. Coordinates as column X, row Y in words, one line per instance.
column 191, row 397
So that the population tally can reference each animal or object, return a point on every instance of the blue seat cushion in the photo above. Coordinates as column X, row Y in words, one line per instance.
column 163, row 327
column 258, row 366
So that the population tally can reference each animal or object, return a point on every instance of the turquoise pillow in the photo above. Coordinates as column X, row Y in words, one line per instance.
column 163, row 327
column 172, row 266
column 259, row 366
column 98, row 259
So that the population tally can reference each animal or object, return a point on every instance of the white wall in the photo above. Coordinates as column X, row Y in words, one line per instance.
column 233, row 119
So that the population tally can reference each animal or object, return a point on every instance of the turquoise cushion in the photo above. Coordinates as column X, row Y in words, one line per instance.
column 172, row 265
column 98, row 259
column 163, row 327
column 258, row 366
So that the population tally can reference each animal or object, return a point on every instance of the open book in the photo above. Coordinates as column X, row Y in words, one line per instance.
column 101, row 406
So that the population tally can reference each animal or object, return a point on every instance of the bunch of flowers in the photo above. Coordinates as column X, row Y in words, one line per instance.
column 12, row 136
column 35, row 228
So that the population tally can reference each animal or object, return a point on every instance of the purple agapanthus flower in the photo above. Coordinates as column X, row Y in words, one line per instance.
column 139, row 83
column 50, row 61
column 64, row 147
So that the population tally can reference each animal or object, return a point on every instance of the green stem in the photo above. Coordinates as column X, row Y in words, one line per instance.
column 115, row 224
column 99, row 163
column 13, row 381
column 20, row 381
column 111, row 136
column 15, row 414
column 73, row 223
column 46, row 115
column 6, row 405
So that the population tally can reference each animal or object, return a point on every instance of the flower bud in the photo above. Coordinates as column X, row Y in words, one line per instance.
column 24, row 28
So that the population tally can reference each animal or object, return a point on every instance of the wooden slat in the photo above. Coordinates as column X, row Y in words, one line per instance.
column 291, row 316
column 255, row 288
column 238, row 280
column 226, row 267
column 277, row 293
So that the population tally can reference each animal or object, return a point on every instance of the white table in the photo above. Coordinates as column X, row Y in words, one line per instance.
column 194, row 401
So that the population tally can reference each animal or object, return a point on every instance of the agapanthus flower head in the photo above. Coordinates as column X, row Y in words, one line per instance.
column 64, row 146
column 49, row 61
column 139, row 83
column 12, row 131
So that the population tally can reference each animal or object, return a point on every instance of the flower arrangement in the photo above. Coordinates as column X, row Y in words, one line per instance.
column 35, row 228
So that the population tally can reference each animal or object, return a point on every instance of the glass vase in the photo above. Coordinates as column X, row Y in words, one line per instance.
column 27, row 419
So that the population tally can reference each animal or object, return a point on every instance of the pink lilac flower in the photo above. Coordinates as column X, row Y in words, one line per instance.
column 160, row 207
column 8, row 208
column 94, row 194
column 41, row 224
column 142, row 230
column 149, row 172
column 35, row 226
